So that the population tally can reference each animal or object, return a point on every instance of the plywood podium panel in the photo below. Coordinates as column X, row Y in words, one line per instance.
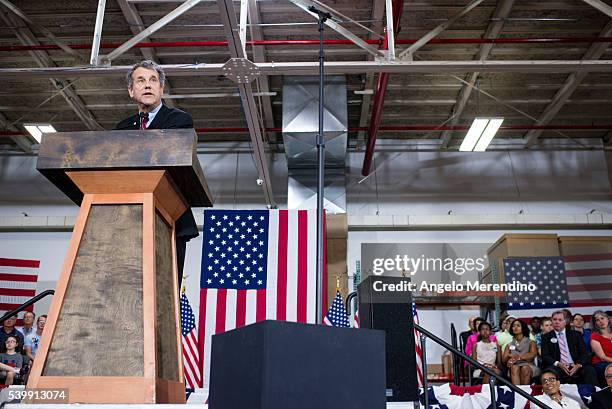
column 113, row 331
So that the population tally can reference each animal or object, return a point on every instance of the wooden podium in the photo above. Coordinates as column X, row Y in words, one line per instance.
column 113, row 331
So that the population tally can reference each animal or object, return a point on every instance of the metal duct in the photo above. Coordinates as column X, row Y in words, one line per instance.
column 300, row 127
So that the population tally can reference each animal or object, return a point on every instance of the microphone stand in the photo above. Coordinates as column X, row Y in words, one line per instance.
column 322, row 17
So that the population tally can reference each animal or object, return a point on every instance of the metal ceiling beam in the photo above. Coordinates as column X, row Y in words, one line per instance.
column 331, row 68
column 237, row 50
column 259, row 55
column 570, row 85
column 305, row 4
column 493, row 30
column 187, row 5
column 397, row 11
column 407, row 53
column 136, row 26
column 378, row 11
column 601, row 6
column 22, row 142
column 19, row 13
column 45, row 62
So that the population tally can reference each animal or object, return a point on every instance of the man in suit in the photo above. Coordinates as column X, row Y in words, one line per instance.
column 603, row 398
column 564, row 349
column 145, row 83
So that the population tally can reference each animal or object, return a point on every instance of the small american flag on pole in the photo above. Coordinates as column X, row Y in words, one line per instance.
column 191, row 357
column 18, row 280
column 336, row 315
column 256, row 265
column 417, row 345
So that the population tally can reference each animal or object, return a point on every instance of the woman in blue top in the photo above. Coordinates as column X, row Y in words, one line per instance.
column 578, row 325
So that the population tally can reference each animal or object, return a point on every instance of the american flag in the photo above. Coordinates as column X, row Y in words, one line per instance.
column 417, row 346
column 17, row 283
column 582, row 283
column 191, row 357
column 336, row 315
column 256, row 265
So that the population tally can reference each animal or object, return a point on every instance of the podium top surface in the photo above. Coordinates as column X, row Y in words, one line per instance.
column 173, row 150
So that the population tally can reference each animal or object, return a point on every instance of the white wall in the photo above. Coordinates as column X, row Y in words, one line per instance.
column 414, row 183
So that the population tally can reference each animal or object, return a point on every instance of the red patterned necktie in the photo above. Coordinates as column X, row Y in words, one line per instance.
column 144, row 118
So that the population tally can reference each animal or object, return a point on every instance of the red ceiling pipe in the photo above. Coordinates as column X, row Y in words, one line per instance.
column 398, row 128
column 379, row 97
column 173, row 44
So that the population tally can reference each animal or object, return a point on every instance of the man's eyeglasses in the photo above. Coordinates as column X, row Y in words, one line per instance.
column 549, row 380
column 609, row 376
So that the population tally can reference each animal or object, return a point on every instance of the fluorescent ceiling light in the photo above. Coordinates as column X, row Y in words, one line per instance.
column 480, row 134
column 37, row 130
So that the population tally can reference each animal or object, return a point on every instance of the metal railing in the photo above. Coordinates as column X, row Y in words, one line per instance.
column 27, row 304
column 492, row 375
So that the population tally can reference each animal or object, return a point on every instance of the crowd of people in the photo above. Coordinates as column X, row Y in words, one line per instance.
column 18, row 346
column 562, row 348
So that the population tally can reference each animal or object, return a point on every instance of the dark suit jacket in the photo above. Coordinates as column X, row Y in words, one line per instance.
column 575, row 343
column 601, row 399
column 169, row 118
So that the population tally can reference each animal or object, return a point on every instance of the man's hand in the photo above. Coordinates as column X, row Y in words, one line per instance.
column 565, row 368
column 574, row 368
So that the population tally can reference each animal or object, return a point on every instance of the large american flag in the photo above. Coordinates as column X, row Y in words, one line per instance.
column 18, row 280
column 582, row 283
column 256, row 265
column 191, row 354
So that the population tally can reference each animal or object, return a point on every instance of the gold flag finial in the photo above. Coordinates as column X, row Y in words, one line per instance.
column 337, row 283
column 183, row 288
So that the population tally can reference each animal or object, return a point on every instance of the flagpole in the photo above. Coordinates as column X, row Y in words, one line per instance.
column 322, row 15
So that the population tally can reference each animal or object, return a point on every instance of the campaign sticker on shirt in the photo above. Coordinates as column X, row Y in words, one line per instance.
column 553, row 340
column 512, row 347
column 494, row 349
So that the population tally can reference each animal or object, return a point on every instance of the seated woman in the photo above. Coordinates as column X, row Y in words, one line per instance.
column 601, row 342
column 11, row 361
column 578, row 325
column 486, row 352
column 519, row 355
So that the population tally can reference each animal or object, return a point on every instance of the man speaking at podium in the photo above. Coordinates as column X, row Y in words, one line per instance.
column 145, row 83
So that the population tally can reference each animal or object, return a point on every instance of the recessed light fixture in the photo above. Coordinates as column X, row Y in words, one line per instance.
column 37, row 130
column 480, row 134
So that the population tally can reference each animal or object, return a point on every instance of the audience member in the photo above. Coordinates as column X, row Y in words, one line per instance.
column 472, row 339
column 578, row 325
column 505, row 337
column 567, row 314
column 11, row 358
column 32, row 341
column 466, row 334
column 601, row 341
column 486, row 352
column 551, row 386
column 546, row 328
column 519, row 355
column 535, row 325
column 8, row 329
column 603, row 398
column 564, row 349
column 28, row 323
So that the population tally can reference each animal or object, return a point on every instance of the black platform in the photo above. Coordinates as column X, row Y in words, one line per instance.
column 282, row 365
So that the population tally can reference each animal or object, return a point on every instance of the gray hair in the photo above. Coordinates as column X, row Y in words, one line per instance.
column 557, row 313
column 150, row 65
column 594, row 316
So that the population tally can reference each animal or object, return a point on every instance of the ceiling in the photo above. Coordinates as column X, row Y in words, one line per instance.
column 432, row 103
